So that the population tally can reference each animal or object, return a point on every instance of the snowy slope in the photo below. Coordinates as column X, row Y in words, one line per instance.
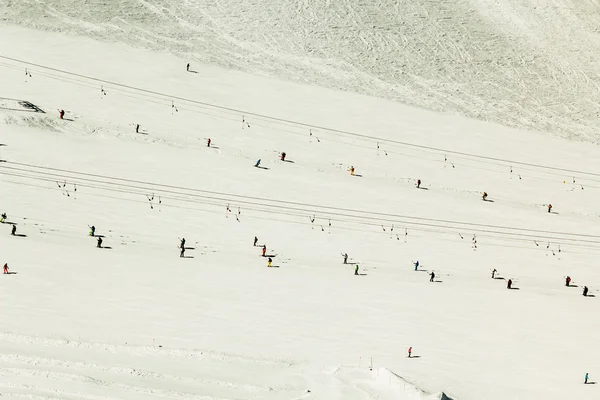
column 136, row 321
column 530, row 64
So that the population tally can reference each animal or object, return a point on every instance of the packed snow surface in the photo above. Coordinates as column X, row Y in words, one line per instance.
column 532, row 64
column 134, row 320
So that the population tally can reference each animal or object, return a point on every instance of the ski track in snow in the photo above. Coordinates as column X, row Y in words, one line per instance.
column 528, row 64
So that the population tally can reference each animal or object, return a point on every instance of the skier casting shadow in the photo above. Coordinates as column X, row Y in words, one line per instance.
column 356, row 273
column 6, row 270
column 283, row 155
column 257, row 165
column 99, row 244
column 432, row 278
column 410, row 355
column 509, row 285
column 13, row 232
column 419, row 185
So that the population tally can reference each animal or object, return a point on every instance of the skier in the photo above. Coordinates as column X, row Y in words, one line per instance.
column 549, row 207
column 182, row 245
column 257, row 163
column 264, row 251
column 416, row 264
column 585, row 380
column 99, row 245
column 432, row 274
column 255, row 241
column 6, row 268
column 345, row 256
column 137, row 128
column 13, row 230
column 356, row 270
column 283, row 156
column 410, row 352
column 208, row 142
column 187, row 68
column 61, row 114
column 494, row 273
column 568, row 281
column 352, row 171
column 418, row 183
column 484, row 196
column 585, row 290
column 92, row 230
column 509, row 284
column 2, row 218
column 269, row 262
column 182, row 252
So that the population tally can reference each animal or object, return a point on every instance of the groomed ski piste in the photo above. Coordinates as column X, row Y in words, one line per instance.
column 134, row 320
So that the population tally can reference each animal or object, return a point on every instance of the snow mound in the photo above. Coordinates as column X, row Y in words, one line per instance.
column 381, row 383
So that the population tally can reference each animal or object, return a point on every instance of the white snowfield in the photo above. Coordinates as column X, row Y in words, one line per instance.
column 136, row 321
column 531, row 64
